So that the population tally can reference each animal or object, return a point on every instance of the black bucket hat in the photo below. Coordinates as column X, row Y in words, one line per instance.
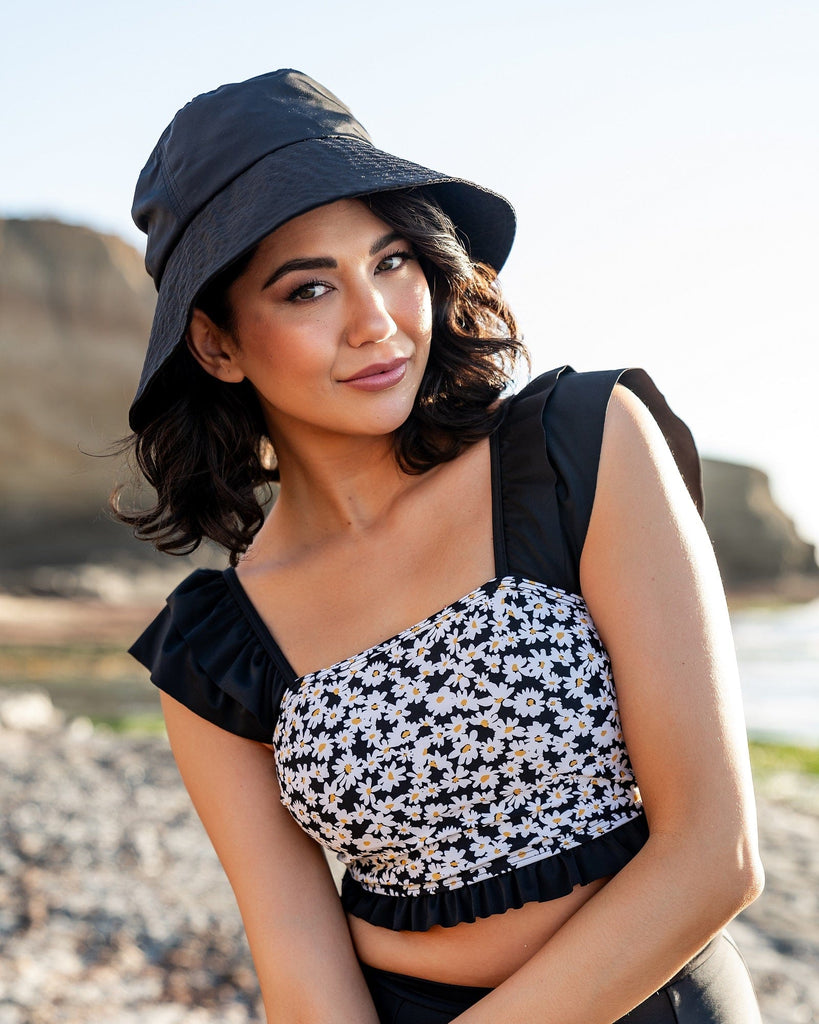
column 236, row 163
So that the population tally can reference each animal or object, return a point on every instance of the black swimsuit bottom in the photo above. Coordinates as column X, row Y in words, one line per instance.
column 713, row 988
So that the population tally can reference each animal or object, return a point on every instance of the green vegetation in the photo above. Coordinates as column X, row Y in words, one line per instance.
column 140, row 725
column 768, row 757
column 53, row 664
column 97, row 681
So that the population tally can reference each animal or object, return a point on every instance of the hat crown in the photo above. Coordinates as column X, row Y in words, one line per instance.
column 220, row 134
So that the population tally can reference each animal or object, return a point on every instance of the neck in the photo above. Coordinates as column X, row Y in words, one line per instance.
column 339, row 487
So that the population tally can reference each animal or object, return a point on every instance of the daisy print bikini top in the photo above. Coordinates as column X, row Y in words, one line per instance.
column 474, row 762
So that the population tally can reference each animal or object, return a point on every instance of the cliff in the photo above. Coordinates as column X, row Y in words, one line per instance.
column 75, row 313
column 75, row 307
column 756, row 543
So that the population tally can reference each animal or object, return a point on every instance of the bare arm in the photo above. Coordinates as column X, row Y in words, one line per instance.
column 295, row 926
column 653, row 589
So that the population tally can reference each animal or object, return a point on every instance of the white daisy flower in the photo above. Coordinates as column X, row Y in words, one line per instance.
column 528, row 702
column 440, row 702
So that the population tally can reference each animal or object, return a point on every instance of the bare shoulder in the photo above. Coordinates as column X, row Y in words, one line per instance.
column 647, row 557
column 634, row 450
column 644, row 524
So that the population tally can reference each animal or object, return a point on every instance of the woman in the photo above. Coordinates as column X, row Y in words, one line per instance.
column 411, row 660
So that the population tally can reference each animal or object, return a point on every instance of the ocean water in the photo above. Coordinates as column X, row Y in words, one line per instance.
column 778, row 654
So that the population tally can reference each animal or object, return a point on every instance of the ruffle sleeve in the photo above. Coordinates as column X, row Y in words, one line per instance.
column 202, row 651
column 546, row 455
column 543, row 880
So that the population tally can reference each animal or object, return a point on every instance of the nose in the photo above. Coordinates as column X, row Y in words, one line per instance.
column 368, row 319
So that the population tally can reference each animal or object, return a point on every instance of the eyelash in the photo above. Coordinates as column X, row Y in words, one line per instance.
column 296, row 294
column 405, row 253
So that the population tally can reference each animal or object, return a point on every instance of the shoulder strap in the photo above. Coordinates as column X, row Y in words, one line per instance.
column 547, row 455
column 525, row 513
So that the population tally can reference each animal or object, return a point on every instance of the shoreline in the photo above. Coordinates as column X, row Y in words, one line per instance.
column 76, row 650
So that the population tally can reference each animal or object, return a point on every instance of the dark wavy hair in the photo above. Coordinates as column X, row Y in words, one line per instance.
column 206, row 453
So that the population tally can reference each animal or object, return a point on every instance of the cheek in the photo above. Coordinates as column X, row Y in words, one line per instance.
column 272, row 346
column 426, row 324
column 420, row 311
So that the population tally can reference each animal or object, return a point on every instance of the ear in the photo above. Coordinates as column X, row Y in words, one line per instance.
column 213, row 348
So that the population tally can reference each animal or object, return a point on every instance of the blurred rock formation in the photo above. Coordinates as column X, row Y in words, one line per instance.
column 75, row 313
column 75, row 310
column 755, row 541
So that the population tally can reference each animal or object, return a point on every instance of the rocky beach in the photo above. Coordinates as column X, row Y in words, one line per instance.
column 114, row 909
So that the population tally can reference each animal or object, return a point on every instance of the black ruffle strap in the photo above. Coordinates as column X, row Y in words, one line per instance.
column 543, row 880
column 546, row 453
column 676, row 433
column 202, row 651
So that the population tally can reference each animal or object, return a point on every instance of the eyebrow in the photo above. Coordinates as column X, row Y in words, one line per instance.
column 325, row 262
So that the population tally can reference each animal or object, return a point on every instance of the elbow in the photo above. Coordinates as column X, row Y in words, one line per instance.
column 738, row 878
column 718, row 869
column 752, row 877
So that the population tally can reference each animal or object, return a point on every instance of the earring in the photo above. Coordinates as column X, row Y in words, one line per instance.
column 267, row 454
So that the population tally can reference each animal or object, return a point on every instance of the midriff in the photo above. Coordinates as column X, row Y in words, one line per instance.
column 483, row 953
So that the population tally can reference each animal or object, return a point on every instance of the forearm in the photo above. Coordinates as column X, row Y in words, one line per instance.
column 314, row 1006
column 305, row 961
column 298, row 935
column 309, row 974
column 332, row 997
column 628, row 940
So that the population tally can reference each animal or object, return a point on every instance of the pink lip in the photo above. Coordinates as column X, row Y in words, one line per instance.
column 379, row 376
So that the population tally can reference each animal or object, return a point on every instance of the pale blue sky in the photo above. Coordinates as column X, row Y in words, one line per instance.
column 663, row 158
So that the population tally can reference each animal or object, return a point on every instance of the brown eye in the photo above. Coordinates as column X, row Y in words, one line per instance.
column 394, row 261
column 307, row 292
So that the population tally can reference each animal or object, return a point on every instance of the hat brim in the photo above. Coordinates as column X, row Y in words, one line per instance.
column 283, row 185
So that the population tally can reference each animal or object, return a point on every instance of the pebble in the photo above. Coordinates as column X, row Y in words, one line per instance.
column 114, row 909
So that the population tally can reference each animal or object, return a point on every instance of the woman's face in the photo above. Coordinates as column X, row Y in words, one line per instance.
column 332, row 324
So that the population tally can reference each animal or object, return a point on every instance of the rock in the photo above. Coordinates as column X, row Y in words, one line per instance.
column 76, row 312
column 29, row 712
column 754, row 540
column 113, row 907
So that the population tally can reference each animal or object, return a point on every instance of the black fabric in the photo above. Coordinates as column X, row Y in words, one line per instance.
column 526, row 514
column 545, row 460
column 713, row 988
column 401, row 999
column 543, row 880
column 202, row 651
column 216, row 136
